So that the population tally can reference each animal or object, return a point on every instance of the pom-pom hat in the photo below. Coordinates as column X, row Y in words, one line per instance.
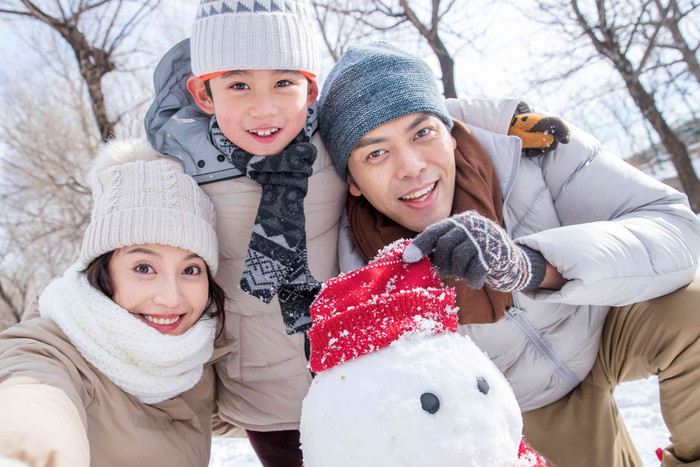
column 253, row 35
column 369, row 308
column 368, row 87
column 140, row 197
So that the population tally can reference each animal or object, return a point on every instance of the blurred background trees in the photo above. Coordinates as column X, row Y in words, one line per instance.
column 644, row 43
column 75, row 73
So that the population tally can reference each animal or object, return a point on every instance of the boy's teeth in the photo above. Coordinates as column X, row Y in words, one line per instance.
column 164, row 321
column 418, row 194
column 265, row 132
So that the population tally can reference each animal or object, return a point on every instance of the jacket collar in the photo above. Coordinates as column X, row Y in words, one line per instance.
column 504, row 152
column 177, row 128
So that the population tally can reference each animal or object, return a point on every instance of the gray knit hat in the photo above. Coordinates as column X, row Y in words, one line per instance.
column 369, row 86
column 254, row 35
column 140, row 197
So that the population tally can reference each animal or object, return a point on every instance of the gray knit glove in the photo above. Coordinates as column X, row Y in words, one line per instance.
column 473, row 248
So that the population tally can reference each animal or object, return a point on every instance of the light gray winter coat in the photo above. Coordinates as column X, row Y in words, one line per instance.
column 619, row 236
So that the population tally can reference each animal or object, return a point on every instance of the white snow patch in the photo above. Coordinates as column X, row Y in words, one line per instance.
column 638, row 402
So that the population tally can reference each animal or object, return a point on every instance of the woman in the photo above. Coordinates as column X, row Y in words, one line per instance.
column 114, row 366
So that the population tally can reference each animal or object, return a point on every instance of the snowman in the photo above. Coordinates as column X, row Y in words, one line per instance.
column 395, row 385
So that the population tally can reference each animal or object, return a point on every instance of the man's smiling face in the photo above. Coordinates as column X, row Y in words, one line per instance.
column 406, row 170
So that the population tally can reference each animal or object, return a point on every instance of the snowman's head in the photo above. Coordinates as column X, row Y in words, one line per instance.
column 416, row 393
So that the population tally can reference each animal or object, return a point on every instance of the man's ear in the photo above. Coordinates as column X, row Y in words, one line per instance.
column 354, row 189
column 313, row 93
column 199, row 92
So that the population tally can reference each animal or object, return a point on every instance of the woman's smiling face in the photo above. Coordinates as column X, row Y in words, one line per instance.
column 164, row 286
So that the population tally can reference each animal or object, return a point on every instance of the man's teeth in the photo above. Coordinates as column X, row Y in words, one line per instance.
column 164, row 321
column 419, row 194
column 264, row 132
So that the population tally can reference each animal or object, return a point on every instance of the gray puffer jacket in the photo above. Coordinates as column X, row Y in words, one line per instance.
column 619, row 236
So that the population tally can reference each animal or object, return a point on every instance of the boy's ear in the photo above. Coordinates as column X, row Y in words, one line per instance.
column 196, row 87
column 313, row 93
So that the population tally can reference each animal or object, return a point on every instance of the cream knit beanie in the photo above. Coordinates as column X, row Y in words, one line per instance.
column 139, row 198
column 254, row 35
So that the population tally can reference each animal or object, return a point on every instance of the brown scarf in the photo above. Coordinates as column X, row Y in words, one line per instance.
column 476, row 188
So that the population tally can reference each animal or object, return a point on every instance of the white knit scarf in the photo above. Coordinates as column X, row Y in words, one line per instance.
column 136, row 357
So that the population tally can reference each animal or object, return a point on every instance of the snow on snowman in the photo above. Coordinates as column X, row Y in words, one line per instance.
column 396, row 385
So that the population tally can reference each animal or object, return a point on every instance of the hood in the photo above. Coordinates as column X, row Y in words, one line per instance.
column 177, row 128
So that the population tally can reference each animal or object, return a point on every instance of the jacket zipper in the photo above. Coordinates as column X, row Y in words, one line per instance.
column 514, row 314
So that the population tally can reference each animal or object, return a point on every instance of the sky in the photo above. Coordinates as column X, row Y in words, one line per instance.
column 497, row 62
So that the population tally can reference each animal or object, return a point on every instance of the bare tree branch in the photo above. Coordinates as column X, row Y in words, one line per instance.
column 94, row 56
column 605, row 40
column 46, row 149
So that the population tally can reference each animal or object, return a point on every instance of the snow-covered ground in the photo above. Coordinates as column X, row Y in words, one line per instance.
column 235, row 451
column 638, row 402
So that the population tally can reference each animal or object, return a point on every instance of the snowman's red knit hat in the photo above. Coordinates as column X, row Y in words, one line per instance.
column 367, row 309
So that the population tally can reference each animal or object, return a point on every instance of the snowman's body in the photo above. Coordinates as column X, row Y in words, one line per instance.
column 375, row 410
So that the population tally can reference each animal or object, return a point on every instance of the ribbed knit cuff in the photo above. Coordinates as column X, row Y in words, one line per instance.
column 538, row 268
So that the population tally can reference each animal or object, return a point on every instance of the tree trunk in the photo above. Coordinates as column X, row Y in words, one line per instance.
column 676, row 149
column 609, row 47
column 10, row 305
column 93, row 64
column 447, row 64
column 93, row 77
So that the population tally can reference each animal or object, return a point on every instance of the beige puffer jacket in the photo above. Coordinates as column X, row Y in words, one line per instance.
column 58, row 410
column 266, row 377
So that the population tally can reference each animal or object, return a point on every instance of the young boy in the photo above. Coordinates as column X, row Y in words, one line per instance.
column 251, row 94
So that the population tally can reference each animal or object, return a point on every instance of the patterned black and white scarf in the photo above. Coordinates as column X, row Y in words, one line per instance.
column 276, row 263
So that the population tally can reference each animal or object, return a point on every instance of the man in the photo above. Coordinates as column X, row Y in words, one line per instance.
column 559, row 257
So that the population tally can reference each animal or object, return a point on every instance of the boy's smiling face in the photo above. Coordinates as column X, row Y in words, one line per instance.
column 260, row 111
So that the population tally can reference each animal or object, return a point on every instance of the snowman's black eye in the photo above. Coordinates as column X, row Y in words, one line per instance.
column 482, row 384
column 430, row 402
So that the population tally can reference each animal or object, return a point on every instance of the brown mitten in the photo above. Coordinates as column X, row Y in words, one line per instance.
column 538, row 133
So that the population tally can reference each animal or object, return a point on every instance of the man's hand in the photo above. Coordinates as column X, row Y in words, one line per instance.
column 473, row 248
column 539, row 134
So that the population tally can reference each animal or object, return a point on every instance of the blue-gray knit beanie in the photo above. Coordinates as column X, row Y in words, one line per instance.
column 369, row 86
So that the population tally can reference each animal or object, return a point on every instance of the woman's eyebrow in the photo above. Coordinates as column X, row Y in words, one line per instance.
column 143, row 250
